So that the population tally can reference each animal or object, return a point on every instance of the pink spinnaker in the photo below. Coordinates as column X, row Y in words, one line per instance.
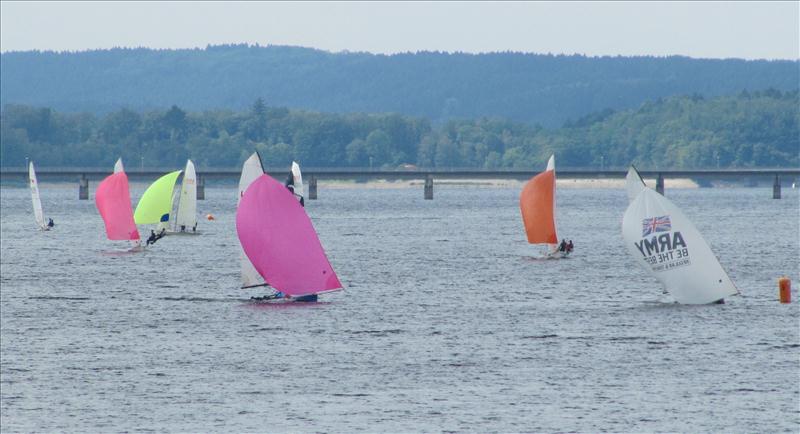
column 113, row 200
column 280, row 241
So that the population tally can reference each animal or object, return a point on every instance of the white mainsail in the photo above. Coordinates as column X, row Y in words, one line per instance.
column 298, row 179
column 118, row 166
column 37, row 201
column 187, row 204
column 634, row 184
column 251, row 170
column 670, row 248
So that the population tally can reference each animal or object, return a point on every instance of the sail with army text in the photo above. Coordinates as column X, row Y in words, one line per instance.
column 661, row 239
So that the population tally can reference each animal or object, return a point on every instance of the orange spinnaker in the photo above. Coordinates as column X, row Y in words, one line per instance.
column 537, row 205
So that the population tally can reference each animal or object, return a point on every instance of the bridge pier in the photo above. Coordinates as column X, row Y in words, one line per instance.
column 776, row 188
column 660, row 184
column 312, row 188
column 83, row 188
column 429, row 187
column 201, row 188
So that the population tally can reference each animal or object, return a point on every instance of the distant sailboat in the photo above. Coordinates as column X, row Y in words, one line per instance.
column 298, row 180
column 280, row 241
column 537, row 202
column 37, row 201
column 155, row 205
column 251, row 170
column 113, row 201
column 186, row 215
column 670, row 248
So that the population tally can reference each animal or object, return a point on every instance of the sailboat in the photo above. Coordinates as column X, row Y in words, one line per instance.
column 280, row 241
column 251, row 170
column 37, row 201
column 186, row 215
column 670, row 248
column 113, row 201
column 537, row 202
column 155, row 205
column 298, row 182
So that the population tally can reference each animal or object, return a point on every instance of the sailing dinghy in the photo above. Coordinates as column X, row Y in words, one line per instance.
column 280, row 241
column 113, row 201
column 251, row 170
column 537, row 202
column 37, row 201
column 186, row 214
column 297, row 178
column 670, row 248
column 155, row 205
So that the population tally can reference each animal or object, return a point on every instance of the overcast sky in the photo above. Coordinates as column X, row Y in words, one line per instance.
column 750, row 30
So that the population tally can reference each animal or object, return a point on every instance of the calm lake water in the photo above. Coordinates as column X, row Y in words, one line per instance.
column 447, row 323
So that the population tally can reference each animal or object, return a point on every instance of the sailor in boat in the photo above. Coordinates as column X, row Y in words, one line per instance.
column 290, row 185
column 152, row 238
column 50, row 223
column 570, row 246
column 563, row 246
column 194, row 228
column 311, row 298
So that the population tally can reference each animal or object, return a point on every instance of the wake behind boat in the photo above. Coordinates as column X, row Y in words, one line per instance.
column 537, row 203
column 670, row 248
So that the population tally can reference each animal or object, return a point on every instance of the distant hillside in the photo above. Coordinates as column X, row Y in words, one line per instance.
column 758, row 129
column 529, row 88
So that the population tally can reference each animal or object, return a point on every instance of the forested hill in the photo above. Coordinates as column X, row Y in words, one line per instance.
column 529, row 88
column 759, row 129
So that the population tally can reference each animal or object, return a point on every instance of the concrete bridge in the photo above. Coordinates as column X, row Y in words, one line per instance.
column 703, row 177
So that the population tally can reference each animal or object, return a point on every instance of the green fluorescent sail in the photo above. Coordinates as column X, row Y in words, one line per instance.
column 156, row 200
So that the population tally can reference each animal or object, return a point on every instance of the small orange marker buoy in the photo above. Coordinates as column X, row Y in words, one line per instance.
column 785, row 289
column 210, row 217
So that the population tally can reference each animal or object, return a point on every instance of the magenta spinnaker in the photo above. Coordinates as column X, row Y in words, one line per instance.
column 280, row 241
column 113, row 200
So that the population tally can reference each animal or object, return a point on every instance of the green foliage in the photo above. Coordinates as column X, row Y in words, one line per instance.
column 751, row 129
column 531, row 88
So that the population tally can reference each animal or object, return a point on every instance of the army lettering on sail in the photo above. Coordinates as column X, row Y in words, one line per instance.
column 663, row 249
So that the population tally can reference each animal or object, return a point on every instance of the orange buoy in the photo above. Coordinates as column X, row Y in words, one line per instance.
column 210, row 217
column 785, row 289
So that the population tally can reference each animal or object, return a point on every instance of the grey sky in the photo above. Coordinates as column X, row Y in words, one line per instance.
column 747, row 30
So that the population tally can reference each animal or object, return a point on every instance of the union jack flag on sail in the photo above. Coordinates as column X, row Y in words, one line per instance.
column 656, row 224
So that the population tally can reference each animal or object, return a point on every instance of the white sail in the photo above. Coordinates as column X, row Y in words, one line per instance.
column 118, row 166
column 187, row 204
column 634, row 183
column 669, row 247
column 37, row 201
column 298, row 179
column 251, row 170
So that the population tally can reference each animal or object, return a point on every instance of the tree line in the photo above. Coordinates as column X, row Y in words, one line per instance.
column 749, row 129
column 540, row 89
